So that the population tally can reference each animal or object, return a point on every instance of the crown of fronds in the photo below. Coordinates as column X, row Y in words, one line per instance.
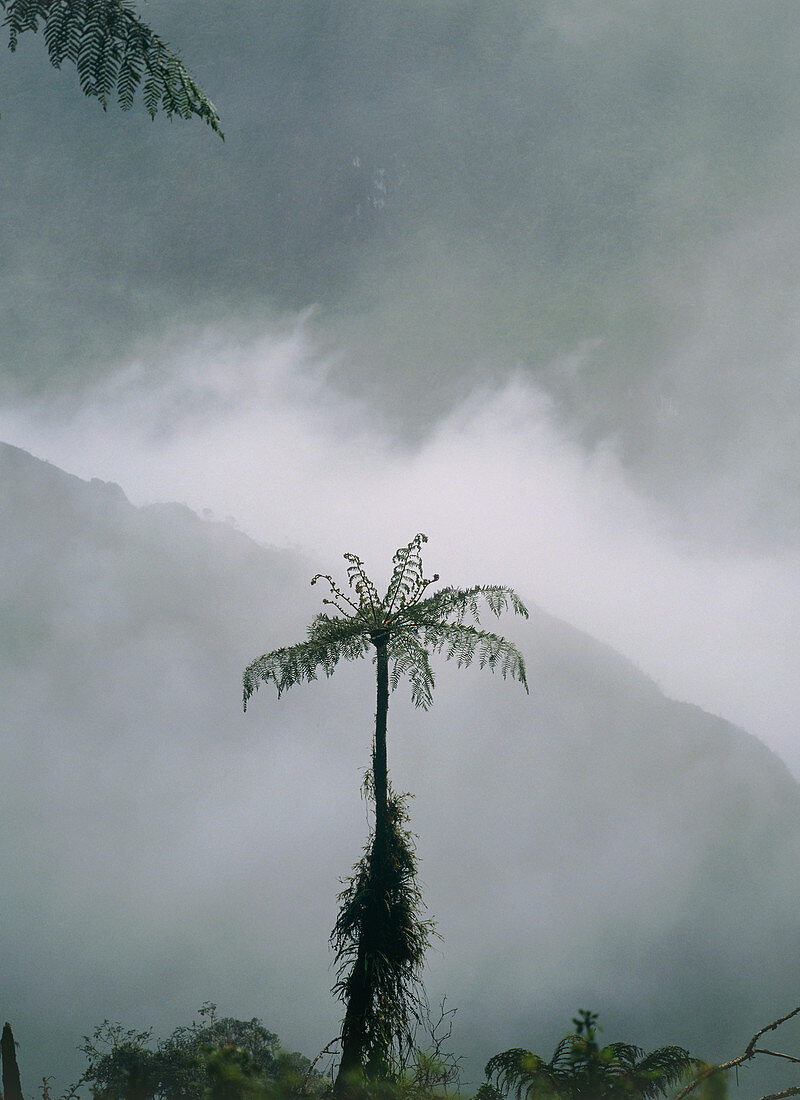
column 581, row 1069
column 409, row 623
column 113, row 50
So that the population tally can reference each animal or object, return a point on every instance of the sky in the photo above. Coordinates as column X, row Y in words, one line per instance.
column 520, row 276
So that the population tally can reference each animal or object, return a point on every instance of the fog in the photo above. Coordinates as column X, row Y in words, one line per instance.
column 522, row 277
column 256, row 432
column 164, row 849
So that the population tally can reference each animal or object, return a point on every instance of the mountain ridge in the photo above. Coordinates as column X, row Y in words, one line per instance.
column 594, row 841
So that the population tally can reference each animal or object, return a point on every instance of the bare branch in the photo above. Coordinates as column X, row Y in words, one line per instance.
column 776, row 1054
column 771, row 1027
column 750, row 1051
column 327, row 1049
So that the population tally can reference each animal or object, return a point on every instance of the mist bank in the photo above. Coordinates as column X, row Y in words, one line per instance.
column 256, row 430
column 593, row 843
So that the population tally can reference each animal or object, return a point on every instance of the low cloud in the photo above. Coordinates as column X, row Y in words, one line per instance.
column 256, row 430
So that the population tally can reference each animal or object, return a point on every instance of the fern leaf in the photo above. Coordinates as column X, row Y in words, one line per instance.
column 366, row 591
column 112, row 48
column 151, row 93
column 461, row 642
column 128, row 79
column 287, row 667
column 55, row 34
column 22, row 15
column 406, row 573
column 516, row 1068
column 410, row 659
column 458, row 604
column 176, row 90
column 90, row 47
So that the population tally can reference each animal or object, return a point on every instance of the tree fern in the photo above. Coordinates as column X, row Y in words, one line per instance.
column 379, row 937
column 581, row 1069
column 112, row 49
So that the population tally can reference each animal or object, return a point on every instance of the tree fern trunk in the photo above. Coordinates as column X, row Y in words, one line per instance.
column 379, row 767
column 349, row 1078
column 361, row 986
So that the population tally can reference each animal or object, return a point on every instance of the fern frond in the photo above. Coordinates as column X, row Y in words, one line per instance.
column 517, row 1069
column 406, row 574
column 564, row 1055
column 21, row 16
column 579, row 1068
column 458, row 603
column 91, row 51
column 112, row 48
column 74, row 20
column 151, row 93
column 335, row 630
column 464, row 643
column 324, row 649
column 55, row 34
column 667, row 1064
column 129, row 77
column 410, row 658
column 369, row 601
column 623, row 1055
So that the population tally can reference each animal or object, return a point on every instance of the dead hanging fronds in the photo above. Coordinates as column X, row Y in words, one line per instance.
column 381, row 940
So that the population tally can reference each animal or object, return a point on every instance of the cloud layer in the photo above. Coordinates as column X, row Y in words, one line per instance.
column 254, row 430
column 464, row 191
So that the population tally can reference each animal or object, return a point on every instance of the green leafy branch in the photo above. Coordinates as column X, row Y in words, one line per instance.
column 113, row 50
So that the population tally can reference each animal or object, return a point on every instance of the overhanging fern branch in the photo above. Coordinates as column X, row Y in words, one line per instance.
column 112, row 49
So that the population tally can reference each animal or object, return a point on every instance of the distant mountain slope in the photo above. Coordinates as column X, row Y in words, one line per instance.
column 591, row 845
